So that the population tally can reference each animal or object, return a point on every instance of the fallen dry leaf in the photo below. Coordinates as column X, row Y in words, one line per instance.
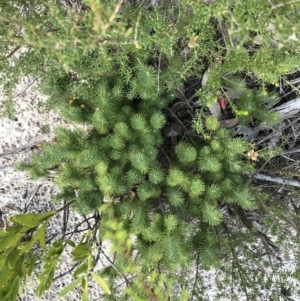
column 216, row 110
column 132, row 194
column 229, row 123
column 205, row 78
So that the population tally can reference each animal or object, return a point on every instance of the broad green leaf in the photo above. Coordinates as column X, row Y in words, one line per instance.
column 40, row 289
column 28, row 245
column 7, row 276
column 85, row 294
column 83, row 283
column 3, row 233
column 24, row 219
column 80, row 270
column 71, row 243
column 3, row 274
column 13, row 229
column 70, row 287
column 13, row 257
column 21, row 266
column 58, row 244
column 48, row 265
column 50, row 276
column 10, row 241
column 31, row 220
column 79, row 258
column 2, row 261
column 17, row 229
column 88, row 234
column 4, row 292
column 91, row 261
column 101, row 282
column 46, row 280
column 85, row 289
column 82, row 250
column 31, row 263
column 50, row 259
column 55, row 249
column 13, row 291
column 10, row 291
column 41, row 232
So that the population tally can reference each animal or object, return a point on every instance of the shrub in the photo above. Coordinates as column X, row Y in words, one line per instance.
column 115, row 68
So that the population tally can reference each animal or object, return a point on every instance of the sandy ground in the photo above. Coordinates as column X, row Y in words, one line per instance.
column 18, row 191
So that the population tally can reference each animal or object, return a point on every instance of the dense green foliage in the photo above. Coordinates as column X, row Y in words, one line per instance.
column 113, row 69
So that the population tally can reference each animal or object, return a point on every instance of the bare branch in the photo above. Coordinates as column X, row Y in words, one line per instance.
column 10, row 54
column 278, row 180
column 32, row 143
column 31, row 198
